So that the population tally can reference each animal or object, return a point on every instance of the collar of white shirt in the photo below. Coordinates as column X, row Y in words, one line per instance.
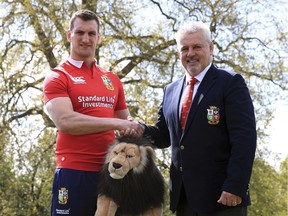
column 77, row 63
column 199, row 76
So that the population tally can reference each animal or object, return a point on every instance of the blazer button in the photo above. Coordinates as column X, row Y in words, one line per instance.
column 181, row 169
column 182, row 147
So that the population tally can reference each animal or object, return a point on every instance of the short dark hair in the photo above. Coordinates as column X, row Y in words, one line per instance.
column 85, row 15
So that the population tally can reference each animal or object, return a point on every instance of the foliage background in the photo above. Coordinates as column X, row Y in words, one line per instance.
column 138, row 44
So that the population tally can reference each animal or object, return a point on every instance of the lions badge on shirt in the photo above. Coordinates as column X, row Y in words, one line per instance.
column 107, row 82
column 213, row 115
column 63, row 196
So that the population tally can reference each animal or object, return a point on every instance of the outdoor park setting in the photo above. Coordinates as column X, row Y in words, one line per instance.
column 138, row 44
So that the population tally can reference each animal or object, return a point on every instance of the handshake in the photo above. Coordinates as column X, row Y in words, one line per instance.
column 131, row 127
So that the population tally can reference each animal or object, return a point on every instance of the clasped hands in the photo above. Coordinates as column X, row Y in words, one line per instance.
column 133, row 128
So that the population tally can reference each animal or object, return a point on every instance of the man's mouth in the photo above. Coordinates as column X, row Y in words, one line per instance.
column 85, row 46
column 191, row 61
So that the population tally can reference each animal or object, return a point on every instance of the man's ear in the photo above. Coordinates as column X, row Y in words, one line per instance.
column 98, row 38
column 178, row 53
column 211, row 47
column 68, row 35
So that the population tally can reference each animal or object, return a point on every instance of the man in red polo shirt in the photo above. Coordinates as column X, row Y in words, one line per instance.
column 87, row 104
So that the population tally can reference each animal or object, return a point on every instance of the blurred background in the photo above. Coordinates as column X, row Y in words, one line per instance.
column 138, row 44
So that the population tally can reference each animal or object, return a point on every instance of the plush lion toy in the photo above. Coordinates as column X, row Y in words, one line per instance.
column 130, row 183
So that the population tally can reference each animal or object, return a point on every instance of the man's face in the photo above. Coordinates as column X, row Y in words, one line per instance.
column 195, row 52
column 83, row 39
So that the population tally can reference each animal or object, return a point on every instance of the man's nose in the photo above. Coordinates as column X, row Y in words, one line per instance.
column 85, row 37
column 190, row 52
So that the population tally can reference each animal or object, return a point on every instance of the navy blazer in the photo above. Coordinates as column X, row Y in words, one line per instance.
column 216, row 151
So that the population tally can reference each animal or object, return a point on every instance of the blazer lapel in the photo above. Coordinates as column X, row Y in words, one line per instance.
column 206, row 84
column 177, row 98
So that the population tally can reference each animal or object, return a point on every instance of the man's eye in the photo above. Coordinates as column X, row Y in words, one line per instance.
column 197, row 47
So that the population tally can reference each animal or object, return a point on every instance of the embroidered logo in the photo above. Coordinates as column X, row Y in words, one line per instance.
column 63, row 211
column 78, row 80
column 63, row 196
column 107, row 82
column 213, row 115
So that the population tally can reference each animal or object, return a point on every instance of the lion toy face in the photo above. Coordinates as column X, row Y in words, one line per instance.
column 130, row 182
column 124, row 157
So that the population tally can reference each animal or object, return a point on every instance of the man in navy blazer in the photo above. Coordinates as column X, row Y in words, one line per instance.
column 212, row 156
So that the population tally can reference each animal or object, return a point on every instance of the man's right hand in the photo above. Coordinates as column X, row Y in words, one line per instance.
column 135, row 129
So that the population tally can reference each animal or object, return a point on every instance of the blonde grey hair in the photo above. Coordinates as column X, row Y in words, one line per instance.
column 192, row 27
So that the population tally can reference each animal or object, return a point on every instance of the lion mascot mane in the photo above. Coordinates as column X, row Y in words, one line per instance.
column 130, row 182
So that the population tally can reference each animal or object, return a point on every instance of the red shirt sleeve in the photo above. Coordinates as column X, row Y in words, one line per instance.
column 55, row 85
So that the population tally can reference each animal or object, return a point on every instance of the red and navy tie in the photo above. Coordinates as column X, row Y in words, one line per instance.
column 186, row 102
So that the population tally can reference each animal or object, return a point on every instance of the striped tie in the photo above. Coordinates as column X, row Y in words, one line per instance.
column 187, row 100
